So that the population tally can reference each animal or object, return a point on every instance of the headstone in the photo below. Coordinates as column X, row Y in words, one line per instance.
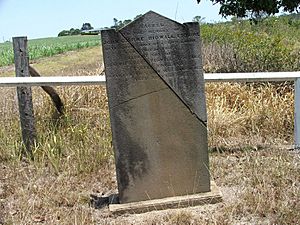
column 157, row 108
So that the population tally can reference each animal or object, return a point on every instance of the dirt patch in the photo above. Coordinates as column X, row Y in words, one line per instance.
column 7, row 70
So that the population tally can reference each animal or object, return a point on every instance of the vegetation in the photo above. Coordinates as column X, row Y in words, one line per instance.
column 87, row 26
column 256, row 9
column 118, row 24
column 72, row 31
column 74, row 157
column 250, row 131
column 271, row 45
column 45, row 47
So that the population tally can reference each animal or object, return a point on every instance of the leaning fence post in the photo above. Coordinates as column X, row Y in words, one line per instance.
column 24, row 94
column 297, row 113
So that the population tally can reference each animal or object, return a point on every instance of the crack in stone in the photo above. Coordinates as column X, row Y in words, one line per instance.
column 139, row 96
column 165, row 82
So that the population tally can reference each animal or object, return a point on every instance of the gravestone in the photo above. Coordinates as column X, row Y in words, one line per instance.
column 157, row 107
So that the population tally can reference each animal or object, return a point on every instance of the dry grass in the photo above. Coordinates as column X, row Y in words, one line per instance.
column 74, row 158
column 258, row 114
column 219, row 58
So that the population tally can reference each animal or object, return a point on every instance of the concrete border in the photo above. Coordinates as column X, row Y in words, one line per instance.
column 212, row 197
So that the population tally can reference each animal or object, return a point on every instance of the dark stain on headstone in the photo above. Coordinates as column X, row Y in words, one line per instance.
column 132, row 164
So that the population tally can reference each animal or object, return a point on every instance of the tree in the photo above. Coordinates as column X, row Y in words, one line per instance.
column 198, row 19
column 115, row 23
column 64, row 33
column 138, row 16
column 125, row 22
column 118, row 24
column 72, row 31
column 255, row 8
column 87, row 26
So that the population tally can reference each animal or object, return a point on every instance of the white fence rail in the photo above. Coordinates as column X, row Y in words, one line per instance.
column 212, row 77
column 95, row 80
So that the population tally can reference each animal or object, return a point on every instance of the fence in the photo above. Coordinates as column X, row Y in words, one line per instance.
column 25, row 102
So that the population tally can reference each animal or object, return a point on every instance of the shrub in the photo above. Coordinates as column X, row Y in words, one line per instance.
column 241, row 47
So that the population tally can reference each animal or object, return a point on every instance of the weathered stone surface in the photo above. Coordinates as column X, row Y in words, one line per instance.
column 157, row 107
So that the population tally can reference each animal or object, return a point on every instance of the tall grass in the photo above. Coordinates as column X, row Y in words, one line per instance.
column 82, row 137
column 238, row 115
column 251, row 53
column 74, row 151
column 246, row 111
column 271, row 45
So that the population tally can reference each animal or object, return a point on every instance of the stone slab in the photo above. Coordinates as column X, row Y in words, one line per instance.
column 157, row 108
column 212, row 197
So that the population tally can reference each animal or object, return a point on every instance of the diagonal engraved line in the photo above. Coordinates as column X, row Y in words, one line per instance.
column 139, row 96
column 171, row 88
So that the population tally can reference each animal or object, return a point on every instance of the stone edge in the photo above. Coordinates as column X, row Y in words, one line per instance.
column 212, row 197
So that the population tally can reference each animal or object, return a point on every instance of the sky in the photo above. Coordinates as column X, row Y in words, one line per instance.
column 46, row 18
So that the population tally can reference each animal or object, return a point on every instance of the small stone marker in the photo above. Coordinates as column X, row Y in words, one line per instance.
column 157, row 108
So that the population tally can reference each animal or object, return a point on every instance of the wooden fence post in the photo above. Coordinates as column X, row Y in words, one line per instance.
column 24, row 94
column 297, row 113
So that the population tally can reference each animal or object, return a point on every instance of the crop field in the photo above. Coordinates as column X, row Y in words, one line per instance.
column 250, row 129
column 45, row 47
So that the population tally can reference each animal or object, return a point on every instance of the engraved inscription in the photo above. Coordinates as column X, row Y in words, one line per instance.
column 167, row 48
column 157, row 108
column 164, row 48
column 162, row 57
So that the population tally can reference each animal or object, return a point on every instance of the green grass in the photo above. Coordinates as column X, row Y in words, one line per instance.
column 45, row 47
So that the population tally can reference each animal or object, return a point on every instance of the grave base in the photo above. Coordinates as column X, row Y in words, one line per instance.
column 214, row 196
